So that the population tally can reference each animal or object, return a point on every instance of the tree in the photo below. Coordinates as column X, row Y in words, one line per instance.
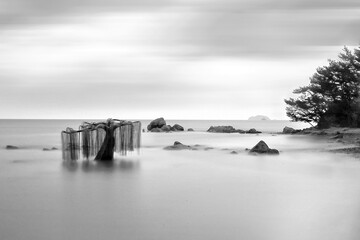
column 101, row 139
column 332, row 95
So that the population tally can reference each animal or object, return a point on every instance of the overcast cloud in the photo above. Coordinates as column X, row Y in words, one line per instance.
column 177, row 59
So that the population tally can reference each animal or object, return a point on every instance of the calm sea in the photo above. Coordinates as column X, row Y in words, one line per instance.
column 305, row 193
column 38, row 133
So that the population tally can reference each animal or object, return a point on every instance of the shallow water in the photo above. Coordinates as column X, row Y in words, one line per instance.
column 304, row 193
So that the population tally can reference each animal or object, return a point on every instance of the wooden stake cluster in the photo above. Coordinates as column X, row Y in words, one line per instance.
column 101, row 139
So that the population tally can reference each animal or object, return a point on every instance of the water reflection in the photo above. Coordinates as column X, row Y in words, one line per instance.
column 125, row 165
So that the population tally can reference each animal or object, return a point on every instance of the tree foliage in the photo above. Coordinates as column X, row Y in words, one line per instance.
column 332, row 97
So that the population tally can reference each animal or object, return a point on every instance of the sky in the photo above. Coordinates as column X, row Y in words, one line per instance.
column 177, row 59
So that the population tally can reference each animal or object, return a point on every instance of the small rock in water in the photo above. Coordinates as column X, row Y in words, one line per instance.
column 190, row 130
column 338, row 136
column 11, row 147
column 50, row 149
column 177, row 127
column 178, row 146
column 253, row 131
column 233, row 152
column 263, row 148
column 222, row 129
column 289, row 130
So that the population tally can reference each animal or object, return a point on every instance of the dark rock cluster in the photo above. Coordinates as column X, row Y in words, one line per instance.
column 253, row 131
column 230, row 129
column 159, row 125
column 50, row 149
column 290, row 130
column 11, row 147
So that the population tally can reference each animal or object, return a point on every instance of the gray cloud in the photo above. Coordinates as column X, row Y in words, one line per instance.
column 217, row 28
column 18, row 12
column 273, row 33
column 23, row 11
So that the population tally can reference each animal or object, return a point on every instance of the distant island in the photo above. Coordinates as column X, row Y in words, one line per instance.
column 259, row 118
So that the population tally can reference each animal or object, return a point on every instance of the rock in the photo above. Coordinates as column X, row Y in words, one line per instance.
column 155, row 130
column 222, row 129
column 253, row 131
column 177, row 127
column 178, row 146
column 233, row 152
column 166, row 128
column 263, row 148
column 11, row 147
column 321, row 133
column 288, row 130
column 157, row 123
column 338, row 136
column 50, row 149
column 190, row 130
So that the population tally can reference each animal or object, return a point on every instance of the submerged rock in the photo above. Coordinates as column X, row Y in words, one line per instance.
column 234, row 152
column 178, row 146
column 11, row 147
column 190, row 130
column 263, row 148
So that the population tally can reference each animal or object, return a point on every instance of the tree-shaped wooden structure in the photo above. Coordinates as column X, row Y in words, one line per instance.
column 101, row 139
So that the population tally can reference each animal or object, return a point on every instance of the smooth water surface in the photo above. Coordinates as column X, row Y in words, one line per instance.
column 305, row 193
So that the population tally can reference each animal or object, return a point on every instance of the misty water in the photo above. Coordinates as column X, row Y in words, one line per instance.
column 305, row 193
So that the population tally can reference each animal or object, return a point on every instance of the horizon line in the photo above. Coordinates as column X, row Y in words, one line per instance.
column 168, row 119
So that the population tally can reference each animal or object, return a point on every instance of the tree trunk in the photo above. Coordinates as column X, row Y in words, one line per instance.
column 106, row 151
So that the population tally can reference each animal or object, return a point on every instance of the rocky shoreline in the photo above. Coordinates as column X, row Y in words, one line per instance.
column 348, row 138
